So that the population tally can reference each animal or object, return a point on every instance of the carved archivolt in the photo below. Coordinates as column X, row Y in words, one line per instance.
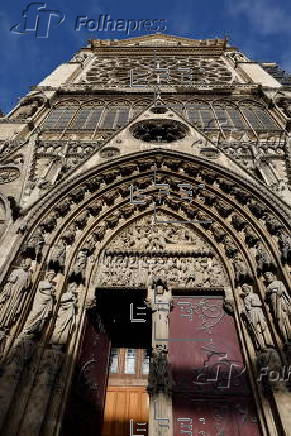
column 89, row 234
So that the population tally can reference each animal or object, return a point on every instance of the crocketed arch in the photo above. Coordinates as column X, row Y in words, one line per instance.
column 224, row 197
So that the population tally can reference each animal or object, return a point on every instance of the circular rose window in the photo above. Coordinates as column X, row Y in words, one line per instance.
column 159, row 131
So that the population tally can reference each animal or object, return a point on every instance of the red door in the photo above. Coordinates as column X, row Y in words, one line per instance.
column 211, row 393
column 84, row 414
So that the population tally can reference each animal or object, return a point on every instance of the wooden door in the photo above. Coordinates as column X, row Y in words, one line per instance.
column 211, row 391
column 127, row 403
column 126, row 411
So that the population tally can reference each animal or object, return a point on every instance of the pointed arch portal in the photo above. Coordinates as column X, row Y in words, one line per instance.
column 155, row 248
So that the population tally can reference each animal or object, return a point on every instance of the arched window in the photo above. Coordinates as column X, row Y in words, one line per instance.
column 228, row 116
column 258, row 116
column 60, row 118
column 87, row 118
column 201, row 115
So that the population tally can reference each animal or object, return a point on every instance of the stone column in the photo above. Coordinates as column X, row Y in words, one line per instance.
column 160, row 414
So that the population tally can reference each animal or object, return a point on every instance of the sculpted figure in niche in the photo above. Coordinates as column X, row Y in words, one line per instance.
column 42, row 305
column 12, row 294
column 262, row 257
column 66, row 315
column 280, row 302
column 58, row 256
column 241, row 269
column 33, row 247
column 79, row 268
column 284, row 240
column 255, row 317
column 159, row 374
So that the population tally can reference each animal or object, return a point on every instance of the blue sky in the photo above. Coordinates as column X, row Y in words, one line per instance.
column 260, row 28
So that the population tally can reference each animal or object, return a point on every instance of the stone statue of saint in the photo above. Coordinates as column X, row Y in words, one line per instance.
column 280, row 303
column 80, row 264
column 12, row 294
column 262, row 257
column 255, row 317
column 66, row 315
column 241, row 269
column 42, row 306
column 58, row 255
column 159, row 379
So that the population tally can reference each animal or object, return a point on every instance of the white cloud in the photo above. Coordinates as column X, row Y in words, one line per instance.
column 266, row 16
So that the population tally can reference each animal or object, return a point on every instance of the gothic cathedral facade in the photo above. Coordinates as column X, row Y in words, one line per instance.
column 145, row 191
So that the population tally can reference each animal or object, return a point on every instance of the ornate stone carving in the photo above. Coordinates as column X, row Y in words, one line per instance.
column 241, row 195
column 218, row 232
column 69, row 233
column 65, row 316
column 13, row 294
column 238, row 222
column 280, row 303
column 42, row 306
column 80, row 57
column 255, row 317
column 226, row 185
column 81, row 219
column 95, row 208
column 79, row 267
column 108, row 152
column 58, row 256
column 264, row 262
column 241, row 269
column 78, row 194
column 8, row 174
column 26, row 110
column 159, row 375
column 93, row 184
column 230, row 248
column 258, row 208
column 33, row 247
column 284, row 240
column 251, row 237
column 100, row 232
column 137, row 271
column 273, row 224
column 113, row 219
column 63, row 207
column 223, row 208
column 209, row 198
column 50, row 222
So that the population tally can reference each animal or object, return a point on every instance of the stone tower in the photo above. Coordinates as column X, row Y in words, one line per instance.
column 145, row 245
